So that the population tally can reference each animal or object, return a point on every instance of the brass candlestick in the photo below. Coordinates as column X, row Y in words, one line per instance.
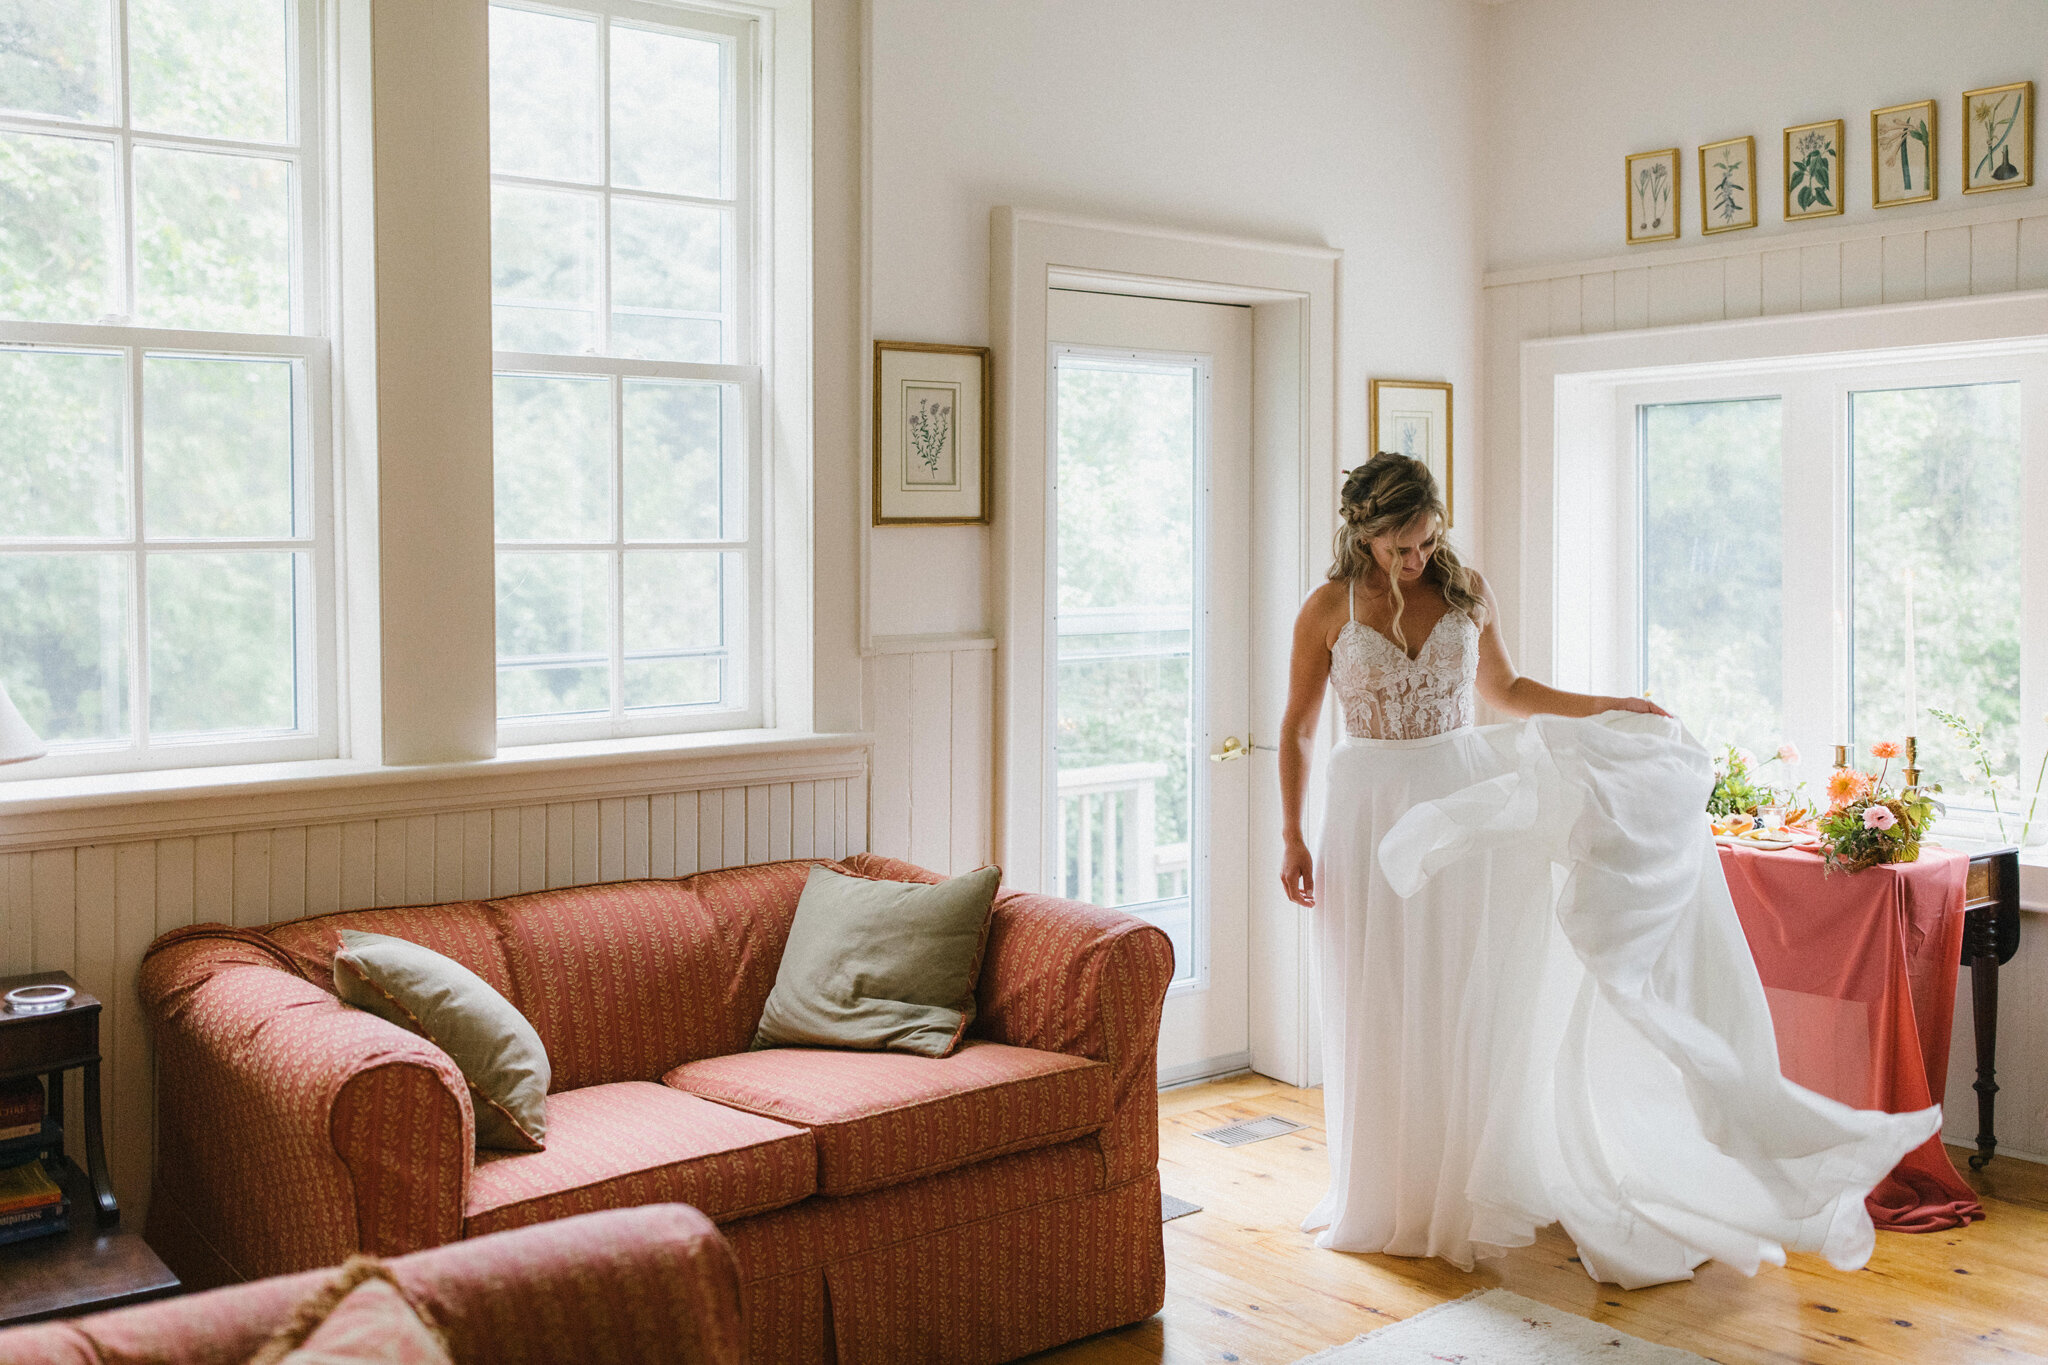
column 1841, row 755
column 1912, row 762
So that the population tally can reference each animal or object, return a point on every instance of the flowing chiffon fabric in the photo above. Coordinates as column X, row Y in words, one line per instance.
column 1538, row 1006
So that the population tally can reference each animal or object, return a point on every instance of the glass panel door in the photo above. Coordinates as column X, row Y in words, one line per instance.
column 1127, row 689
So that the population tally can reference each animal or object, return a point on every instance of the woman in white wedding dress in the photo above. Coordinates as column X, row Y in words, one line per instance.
column 1537, row 1003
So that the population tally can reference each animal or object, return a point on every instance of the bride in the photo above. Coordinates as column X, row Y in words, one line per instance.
column 1537, row 1003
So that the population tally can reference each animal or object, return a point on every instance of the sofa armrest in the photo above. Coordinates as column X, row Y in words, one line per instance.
column 1062, row 976
column 293, row 1130
column 654, row 1285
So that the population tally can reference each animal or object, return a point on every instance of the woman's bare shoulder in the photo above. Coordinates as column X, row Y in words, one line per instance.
column 1326, row 610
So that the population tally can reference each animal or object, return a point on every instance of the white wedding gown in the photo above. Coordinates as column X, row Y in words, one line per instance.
column 1537, row 1002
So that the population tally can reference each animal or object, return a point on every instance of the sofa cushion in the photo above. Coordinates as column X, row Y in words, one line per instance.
column 879, row 1118
column 625, row 980
column 880, row 965
column 615, row 1146
column 457, row 1011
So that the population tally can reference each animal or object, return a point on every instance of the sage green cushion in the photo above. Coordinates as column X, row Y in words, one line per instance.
column 456, row 1010
column 880, row 966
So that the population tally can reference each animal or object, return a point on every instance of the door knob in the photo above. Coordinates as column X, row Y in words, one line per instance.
column 1232, row 748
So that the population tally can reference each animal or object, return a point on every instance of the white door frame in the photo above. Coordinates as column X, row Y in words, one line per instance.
column 1292, row 291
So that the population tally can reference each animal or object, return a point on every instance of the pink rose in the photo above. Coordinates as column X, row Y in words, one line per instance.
column 1879, row 817
column 1788, row 754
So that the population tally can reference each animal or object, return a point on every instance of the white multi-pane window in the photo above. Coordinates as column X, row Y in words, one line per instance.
column 165, row 561
column 1834, row 554
column 628, row 382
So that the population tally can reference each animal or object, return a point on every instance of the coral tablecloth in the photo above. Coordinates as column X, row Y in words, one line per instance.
column 1860, row 969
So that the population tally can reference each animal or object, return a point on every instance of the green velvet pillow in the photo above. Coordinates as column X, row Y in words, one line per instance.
column 881, row 965
column 456, row 1010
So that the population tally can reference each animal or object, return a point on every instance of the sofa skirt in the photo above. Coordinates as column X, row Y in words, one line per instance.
column 1010, row 1278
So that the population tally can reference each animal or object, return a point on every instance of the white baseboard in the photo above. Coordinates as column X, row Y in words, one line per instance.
column 1214, row 1068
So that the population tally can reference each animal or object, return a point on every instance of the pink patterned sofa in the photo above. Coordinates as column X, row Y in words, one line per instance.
column 647, row 1286
column 883, row 1207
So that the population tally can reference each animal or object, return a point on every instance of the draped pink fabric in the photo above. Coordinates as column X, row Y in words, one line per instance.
column 1860, row 971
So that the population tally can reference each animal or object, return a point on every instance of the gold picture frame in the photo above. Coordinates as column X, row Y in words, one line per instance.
column 934, row 435
column 1649, row 195
column 1897, row 125
column 1814, row 185
column 1413, row 417
column 1728, row 190
column 1984, row 106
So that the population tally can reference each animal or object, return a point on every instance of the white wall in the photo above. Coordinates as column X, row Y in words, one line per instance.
column 1574, row 86
column 1334, row 122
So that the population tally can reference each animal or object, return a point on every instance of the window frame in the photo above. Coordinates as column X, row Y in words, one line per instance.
column 1817, row 531
column 749, row 306
column 305, row 344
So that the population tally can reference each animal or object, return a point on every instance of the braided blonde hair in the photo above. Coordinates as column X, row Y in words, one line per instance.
column 1383, row 496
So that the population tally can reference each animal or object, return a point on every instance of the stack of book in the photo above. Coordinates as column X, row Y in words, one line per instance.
column 31, row 1203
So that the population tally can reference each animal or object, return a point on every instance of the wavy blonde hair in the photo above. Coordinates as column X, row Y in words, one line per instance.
column 1386, row 495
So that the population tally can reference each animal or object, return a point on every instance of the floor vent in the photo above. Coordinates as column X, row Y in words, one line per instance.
column 1171, row 1208
column 1251, row 1130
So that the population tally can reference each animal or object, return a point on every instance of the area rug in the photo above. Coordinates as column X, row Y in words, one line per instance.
column 1171, row 1208
column 1495, row 1327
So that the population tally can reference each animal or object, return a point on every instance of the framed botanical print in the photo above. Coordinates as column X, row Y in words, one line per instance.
column 1813, row 170
column 1652, row 196
column 1412, row 417
column 1998, row 138
column 1904, row 140
column 933, row 434
column 1728, row 185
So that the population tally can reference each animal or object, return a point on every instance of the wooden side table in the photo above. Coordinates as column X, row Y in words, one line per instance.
column 1992, row 909
column 96, row 1265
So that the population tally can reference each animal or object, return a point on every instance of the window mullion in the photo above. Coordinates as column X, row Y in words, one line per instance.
column 124, row 158
column 138, row 589
column 618, row 547
column 604, row 181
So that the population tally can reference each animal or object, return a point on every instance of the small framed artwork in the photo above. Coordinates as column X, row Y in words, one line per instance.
column 1412, row 417
column 1998, row 138
column 1903, row 141
column 1813, row 170
column 1653, row 196
column 933, row 435
column 1728, row 185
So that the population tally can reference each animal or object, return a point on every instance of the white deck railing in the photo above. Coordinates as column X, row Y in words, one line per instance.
column 1107, row 836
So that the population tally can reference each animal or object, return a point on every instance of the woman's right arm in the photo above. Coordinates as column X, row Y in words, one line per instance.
column 1307, row 675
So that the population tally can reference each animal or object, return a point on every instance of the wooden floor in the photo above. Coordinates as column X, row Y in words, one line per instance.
column 1243, row 1284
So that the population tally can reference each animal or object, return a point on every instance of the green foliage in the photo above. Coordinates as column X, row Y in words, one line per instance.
column 1850, row 842
column 1738, row 786
column 1711, row 553
column 1727, row 196
column 1810, row 179
column 1936, row 507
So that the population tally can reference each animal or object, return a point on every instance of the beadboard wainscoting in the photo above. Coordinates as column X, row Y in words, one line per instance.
column 91, row 908
column 931, row 708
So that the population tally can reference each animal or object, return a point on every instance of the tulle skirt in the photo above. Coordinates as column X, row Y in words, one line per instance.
column 1538, row 1006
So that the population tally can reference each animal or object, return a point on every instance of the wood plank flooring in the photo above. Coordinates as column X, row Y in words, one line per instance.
column 1244, row 1285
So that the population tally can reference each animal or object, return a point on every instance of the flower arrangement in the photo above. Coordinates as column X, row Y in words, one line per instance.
column 1867, row 823
column 1738, row 785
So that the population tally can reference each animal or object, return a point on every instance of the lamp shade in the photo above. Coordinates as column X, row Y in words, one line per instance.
column 17, row 741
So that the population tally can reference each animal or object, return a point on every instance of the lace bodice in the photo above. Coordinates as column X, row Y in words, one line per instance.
column 1387, row 695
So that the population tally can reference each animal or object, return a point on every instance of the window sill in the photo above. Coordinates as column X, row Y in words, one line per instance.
column 50, row 812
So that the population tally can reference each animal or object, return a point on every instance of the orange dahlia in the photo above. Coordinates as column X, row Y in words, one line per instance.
column 1846, row 785
column 1884, row 748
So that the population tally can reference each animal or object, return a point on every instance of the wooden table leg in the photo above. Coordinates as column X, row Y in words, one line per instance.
column 95, row 1151
column 1982, row 946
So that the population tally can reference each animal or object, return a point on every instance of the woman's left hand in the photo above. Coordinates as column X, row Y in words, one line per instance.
column 1639, row 704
